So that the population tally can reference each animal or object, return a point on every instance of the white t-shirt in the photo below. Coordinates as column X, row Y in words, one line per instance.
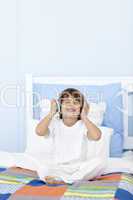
column 69, row 142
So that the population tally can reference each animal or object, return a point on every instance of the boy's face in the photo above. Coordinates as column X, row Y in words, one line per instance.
column 71, row 106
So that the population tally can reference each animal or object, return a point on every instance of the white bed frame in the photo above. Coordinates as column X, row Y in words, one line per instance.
column 127, row 85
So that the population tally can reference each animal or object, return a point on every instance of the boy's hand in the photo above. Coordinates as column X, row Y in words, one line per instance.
column 53, row 109
column 85, row 110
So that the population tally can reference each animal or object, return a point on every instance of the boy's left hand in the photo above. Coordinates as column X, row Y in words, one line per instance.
column 85, row 110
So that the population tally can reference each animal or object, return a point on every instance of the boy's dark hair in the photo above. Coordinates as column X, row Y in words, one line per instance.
column 74, row 93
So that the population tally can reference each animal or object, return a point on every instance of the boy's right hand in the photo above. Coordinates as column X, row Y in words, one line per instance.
column 53, row 108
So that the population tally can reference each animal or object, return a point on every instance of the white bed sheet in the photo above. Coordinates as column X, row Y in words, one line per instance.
column 119, row 165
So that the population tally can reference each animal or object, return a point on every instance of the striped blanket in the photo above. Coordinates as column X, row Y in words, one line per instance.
column 21, row 184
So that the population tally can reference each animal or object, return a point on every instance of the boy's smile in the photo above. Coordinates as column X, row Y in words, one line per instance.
column 71, row 109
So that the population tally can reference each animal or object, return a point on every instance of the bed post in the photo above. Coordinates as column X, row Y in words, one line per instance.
column 29, row 106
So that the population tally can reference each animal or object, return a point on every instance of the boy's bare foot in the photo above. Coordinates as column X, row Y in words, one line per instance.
column 53, row 180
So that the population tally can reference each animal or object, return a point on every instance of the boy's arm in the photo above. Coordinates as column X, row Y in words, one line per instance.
column 42, row 128
column 93, row 132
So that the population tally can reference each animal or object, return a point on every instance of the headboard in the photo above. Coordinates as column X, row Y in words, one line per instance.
column 127, row 97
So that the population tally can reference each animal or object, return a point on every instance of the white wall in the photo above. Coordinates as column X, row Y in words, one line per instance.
column 8, row 75
column 93, row 36
column 69, row 38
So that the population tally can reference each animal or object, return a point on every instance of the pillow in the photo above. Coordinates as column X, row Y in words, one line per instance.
column 96, row 112
column 100, row 148
column 44, row 107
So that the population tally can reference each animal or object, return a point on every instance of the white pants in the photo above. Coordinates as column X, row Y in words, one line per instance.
column 72, row 172
column 67, row 172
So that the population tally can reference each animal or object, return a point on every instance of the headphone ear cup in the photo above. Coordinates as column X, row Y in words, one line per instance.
column 58, row 105
column 57, row 108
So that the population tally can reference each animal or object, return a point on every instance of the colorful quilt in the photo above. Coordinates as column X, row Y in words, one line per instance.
column 21, row 184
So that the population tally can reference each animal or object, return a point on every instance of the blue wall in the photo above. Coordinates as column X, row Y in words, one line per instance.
column 59, row 38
